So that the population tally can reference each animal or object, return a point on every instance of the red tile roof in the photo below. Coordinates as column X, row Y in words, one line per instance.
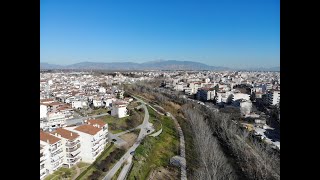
column 89, row 129
column 48, row 137
column 66, row 133
column 96, row 121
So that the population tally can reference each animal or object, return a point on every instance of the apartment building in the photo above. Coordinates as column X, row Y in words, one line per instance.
column 71, row 146
column 119, row 109
column 52, row 152
column 273, row 97
column 206, row 94
column 93, row 139
column 44, row 156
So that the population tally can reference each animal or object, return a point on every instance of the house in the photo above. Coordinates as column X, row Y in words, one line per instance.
column 93, row 139
column 119, row 109
column 52, row 154
column 71, row 146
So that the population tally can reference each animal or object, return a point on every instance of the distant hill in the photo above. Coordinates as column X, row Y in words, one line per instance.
column 266, row 69
column 151, row 65
column 49, row 66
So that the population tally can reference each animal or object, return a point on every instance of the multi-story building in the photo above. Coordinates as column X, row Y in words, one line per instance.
column 93, row 139
column 44, row 156
column 119, row 109
column 273, row 97
column 53, row 158
column 206, row 94
column 71, row 146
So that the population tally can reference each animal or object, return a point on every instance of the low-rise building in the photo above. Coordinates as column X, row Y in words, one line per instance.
column 119, row 109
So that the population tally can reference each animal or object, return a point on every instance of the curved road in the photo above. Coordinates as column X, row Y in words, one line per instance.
column 143, row 133
column 182, row 143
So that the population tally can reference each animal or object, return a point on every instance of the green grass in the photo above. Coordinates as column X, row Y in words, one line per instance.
column 86, row 173
column 155, row 151
column 59, row 174
column 154, row 119
column 115, row 177
column 97, row 111
column 117, row 125
column 191, row 154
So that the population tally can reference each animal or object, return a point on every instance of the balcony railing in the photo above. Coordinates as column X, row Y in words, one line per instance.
column 71, row 144
column 73, row 149
column 56, row 158
column 56, row 153
column 73, row 160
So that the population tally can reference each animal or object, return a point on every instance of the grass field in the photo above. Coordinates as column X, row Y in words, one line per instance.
column 155, row 152
column 154, row 119
column 86, row 173
column 61, row 173
column 98, row 111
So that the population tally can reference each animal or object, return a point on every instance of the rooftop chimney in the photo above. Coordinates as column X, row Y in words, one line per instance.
column 70, row 134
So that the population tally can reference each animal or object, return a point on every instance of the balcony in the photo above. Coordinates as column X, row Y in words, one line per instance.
column 73, row 149
column 42, row 174
column 72, row 161
column 71, row 144
column 42, row 158
column 56, row 153
column 56, row 159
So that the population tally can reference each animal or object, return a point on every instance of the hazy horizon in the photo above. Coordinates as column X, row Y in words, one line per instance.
column 226, row 33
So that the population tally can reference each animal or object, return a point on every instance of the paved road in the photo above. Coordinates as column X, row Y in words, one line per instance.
column 182, row 150
column 119, row 142
column 143, row 133
column 80, row 120
column 182, row 144
column 124, row 172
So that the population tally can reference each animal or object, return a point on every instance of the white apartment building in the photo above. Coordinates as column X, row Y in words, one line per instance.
column 71, row 146
column 76, row 104
column 206, row 94
column 43, row 111
column 56, row 119
column 93, row 139
column 119, row 109
column 53, row 156
column 238, row 96
column 44, row 156
column 273, row 97
column 97, row 103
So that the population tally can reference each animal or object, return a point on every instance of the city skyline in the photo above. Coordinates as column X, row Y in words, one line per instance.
column 230, row 33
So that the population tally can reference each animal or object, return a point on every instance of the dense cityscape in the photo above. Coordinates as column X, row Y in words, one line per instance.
column 116, row 121
column 159, row 90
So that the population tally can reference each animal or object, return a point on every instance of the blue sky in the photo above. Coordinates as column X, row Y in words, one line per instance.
column 230, row 33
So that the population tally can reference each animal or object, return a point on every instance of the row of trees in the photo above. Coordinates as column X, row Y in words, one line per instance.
column 213, row 163
column 254, row 158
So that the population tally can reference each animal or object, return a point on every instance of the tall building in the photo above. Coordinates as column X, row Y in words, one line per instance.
column 273, row 97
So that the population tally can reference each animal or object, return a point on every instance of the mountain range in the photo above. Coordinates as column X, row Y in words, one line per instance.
column 150, row 65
